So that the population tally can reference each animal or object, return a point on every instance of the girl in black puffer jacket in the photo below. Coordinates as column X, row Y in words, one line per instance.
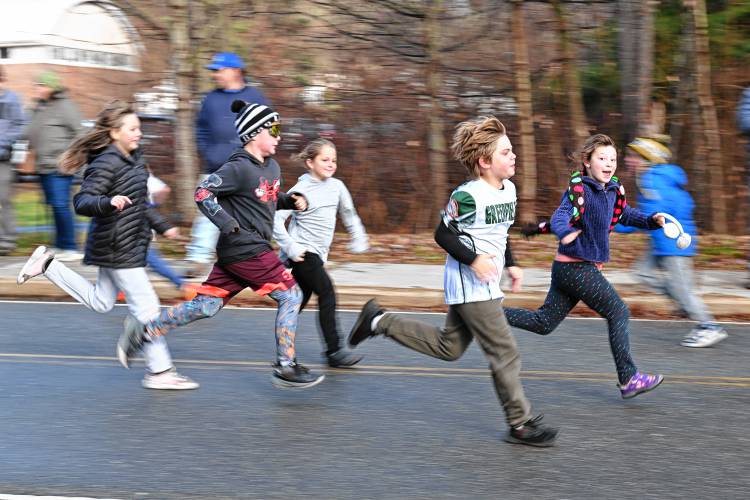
column 114, row 195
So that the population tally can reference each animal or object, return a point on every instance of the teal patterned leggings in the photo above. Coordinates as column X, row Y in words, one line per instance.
column 206, row 306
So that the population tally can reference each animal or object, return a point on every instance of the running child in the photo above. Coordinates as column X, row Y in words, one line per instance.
column 306, row 243
column 241, row 199
column 662, row 187
column 590, row 208
column 477, row 219
column 114, row 195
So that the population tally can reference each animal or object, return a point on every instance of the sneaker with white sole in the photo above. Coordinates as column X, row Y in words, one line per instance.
column 36, row 265
column 169, row 380
column 704, row 337
column 68, row 255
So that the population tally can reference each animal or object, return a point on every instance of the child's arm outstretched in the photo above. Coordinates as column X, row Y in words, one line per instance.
column 353, row 224
column 291, row 248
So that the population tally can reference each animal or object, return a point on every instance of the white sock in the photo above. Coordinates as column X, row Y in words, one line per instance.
column 375, row 321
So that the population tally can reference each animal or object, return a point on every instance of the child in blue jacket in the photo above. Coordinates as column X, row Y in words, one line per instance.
column 668, row 268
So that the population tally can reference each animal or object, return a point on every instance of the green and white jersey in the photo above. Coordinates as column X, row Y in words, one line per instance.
column 481, row 215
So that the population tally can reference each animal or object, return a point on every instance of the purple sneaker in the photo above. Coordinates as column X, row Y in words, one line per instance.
column 640, row 382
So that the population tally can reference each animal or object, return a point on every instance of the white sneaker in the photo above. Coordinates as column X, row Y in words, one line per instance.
column 704, row 337
column 68, row 255
column 169, row 380
column 36, row 265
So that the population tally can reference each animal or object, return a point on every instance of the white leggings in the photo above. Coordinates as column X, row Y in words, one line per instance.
column 143, row 302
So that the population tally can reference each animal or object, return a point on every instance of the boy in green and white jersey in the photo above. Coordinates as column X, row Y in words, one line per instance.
column 474, row 232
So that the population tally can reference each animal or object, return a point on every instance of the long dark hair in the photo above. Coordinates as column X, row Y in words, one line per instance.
column 96, row 139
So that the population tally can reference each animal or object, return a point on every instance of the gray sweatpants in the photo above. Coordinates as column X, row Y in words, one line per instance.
column 483, row 321
column 673, row 276
column 142, row 300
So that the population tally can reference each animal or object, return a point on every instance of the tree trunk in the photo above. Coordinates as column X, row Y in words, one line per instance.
column 436, row 133
column 627, row 47
column 645, row 68
column 527, row 170
column 570, row 78
column 711, row 145
column 184, row 138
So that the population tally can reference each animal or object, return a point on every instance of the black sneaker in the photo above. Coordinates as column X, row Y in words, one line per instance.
column 131, row 340
column 362, row 327
column 294, row 376
column 533, row 433
column 343, row 359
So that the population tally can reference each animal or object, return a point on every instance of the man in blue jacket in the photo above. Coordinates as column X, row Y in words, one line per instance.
column 662, row 187
column 216, row 139
column 12, row 123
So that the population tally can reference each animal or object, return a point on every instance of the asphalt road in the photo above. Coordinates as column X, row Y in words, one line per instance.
column 73, row 422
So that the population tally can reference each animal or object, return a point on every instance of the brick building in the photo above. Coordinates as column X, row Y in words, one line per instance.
column 92, row 44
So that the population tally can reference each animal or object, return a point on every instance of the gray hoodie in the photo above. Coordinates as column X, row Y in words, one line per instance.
column 12, row 122
column 54, row 125
column 312, row 230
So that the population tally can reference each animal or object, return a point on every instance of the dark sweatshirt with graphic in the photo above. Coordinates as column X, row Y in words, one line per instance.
column 241, row 199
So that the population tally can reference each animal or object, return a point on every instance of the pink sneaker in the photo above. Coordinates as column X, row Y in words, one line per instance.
column 640, row 382
column 36, row 265
column 169, row 380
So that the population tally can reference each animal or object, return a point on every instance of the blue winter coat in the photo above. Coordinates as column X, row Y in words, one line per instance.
column 663, row 188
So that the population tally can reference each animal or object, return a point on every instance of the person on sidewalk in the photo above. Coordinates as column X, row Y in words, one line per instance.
column 477, row 216
column 55, row 122
column 114, row 194
column 241, row 199
column 591, row 206
column 216, row 139
column 306, row 244
column 662, row 187
column 12, row 123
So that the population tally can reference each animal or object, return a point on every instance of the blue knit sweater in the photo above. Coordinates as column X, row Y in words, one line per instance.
column 593, row 243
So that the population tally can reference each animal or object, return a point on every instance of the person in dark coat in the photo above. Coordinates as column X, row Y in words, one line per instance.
column 114, row 195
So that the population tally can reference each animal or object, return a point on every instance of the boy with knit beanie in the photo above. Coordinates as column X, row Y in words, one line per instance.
column 662, row 187
column 241, row 199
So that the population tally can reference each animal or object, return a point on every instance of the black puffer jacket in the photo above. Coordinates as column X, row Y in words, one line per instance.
column 117, row 239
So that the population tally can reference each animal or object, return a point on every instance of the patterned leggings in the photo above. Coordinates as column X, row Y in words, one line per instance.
column 572, row 282
column 206, row 306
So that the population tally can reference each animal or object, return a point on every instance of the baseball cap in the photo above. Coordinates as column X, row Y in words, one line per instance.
column 225, row 60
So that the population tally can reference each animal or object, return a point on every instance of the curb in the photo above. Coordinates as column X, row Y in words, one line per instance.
column 642, row 305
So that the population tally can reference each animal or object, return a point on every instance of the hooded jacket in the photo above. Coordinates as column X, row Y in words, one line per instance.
column 54, row 125
column 593, row 243
column 663, row 188
column 12, row 121
column 117, row 239
column 241, row 199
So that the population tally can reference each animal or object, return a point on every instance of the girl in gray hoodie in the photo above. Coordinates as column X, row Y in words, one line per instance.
column 305, row 244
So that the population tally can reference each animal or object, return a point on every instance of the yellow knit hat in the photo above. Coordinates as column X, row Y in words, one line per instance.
column 653, row 150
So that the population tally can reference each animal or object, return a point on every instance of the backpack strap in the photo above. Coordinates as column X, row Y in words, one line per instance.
column 577, row 198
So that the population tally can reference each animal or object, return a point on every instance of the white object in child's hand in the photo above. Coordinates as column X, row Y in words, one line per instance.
column 671, row 230
column 684, row 241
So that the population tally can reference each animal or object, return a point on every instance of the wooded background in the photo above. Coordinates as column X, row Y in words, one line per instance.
column 393, row 78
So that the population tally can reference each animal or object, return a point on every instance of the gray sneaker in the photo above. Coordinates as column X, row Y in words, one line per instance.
column 704, row 337
column 131, row 340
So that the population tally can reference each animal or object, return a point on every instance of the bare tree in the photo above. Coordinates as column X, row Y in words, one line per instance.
column 527, row 196
column 710, row 147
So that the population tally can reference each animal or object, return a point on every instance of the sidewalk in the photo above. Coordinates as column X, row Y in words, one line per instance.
column 412, row 286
